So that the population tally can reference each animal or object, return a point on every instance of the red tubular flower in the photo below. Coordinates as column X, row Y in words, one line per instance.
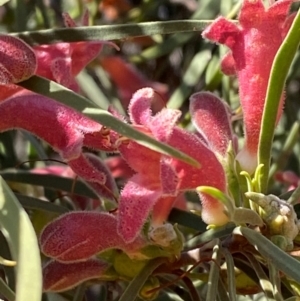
column 128, row 80
column 76, row 236
column 160, row 179
column 118, row 167
column 289, row 178
column 109, row 190
column 253, row 44
column 17, row 60
column 61, row 62
column 17, row 63
column 58, row 276
column 65, row 129
column 211, row 118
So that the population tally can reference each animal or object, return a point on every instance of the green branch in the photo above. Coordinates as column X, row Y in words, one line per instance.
column 279, row 71
column 110, row 32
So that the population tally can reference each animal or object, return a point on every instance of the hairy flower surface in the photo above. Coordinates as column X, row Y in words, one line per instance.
column 17, row 60
column 17, row 63
column 76, row 236
column 74, row 239
column 253, row 44
column 160, row 179
column 65, row 129
column 109, row 190
column 59, row 276
column 211, row 118
column 61, row 62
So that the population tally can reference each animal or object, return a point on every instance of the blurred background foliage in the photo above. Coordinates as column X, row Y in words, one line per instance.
column 176, row 66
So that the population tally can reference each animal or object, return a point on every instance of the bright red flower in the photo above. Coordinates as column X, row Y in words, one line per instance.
column 17, row 60
column 289, row 178
column 61, row 62
column 17, row 63
column 59, row 276
column 210, row 116
column 79, row 235
column 160, row 179
column 65, row 129
column 253, row 44
column 107, row 192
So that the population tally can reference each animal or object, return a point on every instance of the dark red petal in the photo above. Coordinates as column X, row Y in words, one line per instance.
column 17, row 58
column 136, row 201
column 77, row 236
column 58, row 276
column 210, row 115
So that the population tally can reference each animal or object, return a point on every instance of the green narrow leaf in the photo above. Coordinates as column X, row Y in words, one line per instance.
column 291, row 140
column 294, row 198
column 132, row 290
column 213, row 233
column 275, row 279
column 225, row 7
column 43, row 9
column 187, row 219
column 264, row 280
column 6, row 291
column 190, row 79
column 79, row 292
column 37, row 145
column 163, row 48
column 222, row 291
column 214, row 273
column 206, row 10
column 110, row 32
column 109, row 89
column 16, row 226
column 230, row 274
column 282, row 261
column 32, row 203
column 10, row 157
column 213, row 75
column 49, row 181
column 60, row 93
column 20, row 14
column 279, row 72
column 9, row 271
column 92, row 90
